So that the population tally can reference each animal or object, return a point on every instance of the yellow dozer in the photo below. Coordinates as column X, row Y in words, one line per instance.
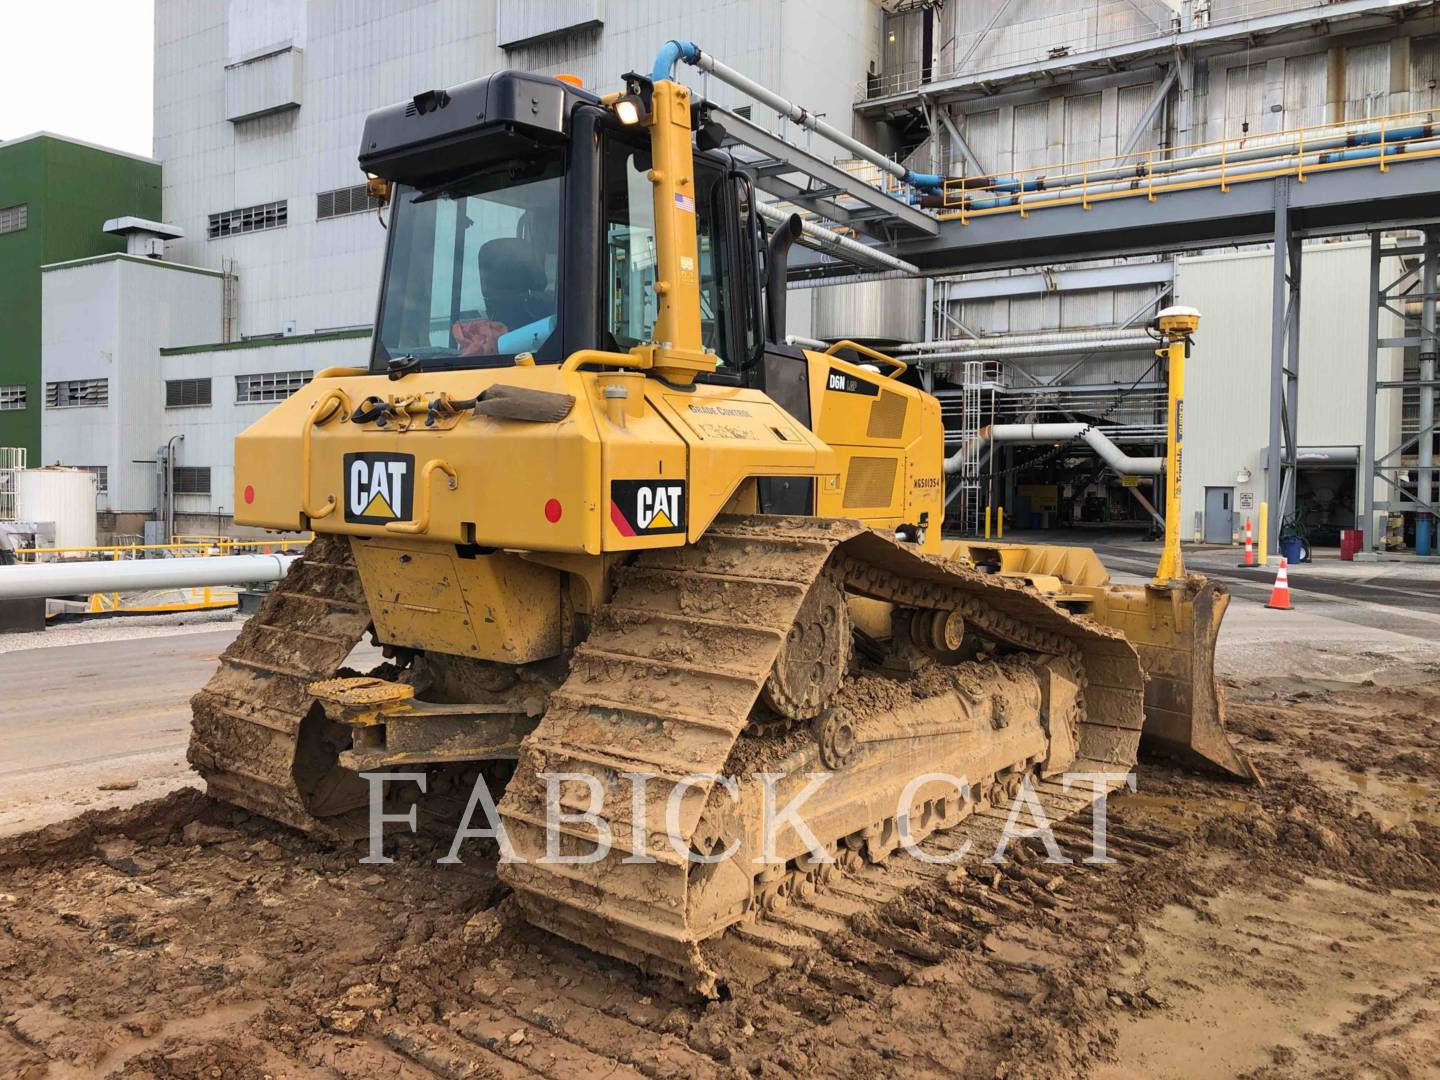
column 633, row 557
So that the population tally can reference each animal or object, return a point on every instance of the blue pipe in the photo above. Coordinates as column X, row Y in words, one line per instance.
column 1422, row 535
column 671, row 53
column 924, row 181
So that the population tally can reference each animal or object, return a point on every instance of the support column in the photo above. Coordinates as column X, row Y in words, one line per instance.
column 1365, row 470
column 1281, row 451
column 1424, row 520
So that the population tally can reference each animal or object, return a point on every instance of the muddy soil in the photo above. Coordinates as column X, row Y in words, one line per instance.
column 1288, row 930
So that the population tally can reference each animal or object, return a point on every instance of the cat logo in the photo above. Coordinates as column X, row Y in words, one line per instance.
column 379, row 488
column 647, row 507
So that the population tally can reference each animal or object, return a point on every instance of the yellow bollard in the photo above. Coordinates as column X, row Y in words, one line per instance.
column 999, row 523
column 1264, row 532
column 987, row 522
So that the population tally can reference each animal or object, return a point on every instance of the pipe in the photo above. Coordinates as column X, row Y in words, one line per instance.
column 1258, row 150
column 675, row 51
column 1327, row 455
column 1036, row 434
column 1039, row 194
column 29, row 581
column 826, row 240
column 1043, row 337
column 1020, row 352
column 777, row 256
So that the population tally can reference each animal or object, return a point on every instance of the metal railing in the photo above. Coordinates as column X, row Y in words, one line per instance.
column 181, row 547
column 1378, row 142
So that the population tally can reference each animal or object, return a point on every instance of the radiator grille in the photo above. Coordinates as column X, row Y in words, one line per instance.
column 870, row 482
column 887, row 416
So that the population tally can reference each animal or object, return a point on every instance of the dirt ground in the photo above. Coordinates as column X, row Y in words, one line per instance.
column 1288, row 930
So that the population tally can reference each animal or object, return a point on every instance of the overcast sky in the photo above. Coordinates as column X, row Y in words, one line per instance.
column 81, row 68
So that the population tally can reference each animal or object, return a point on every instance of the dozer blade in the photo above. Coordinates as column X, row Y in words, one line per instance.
column 1175, row 628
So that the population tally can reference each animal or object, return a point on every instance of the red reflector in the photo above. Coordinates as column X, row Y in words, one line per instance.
column 249, row 494
column 553, row 510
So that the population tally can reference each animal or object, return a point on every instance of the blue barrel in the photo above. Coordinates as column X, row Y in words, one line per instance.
column 1292, row 549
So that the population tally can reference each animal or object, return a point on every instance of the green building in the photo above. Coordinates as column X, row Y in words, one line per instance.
column 55, row 194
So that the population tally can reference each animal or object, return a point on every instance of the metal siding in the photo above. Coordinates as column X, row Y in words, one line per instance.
column 1227, row 383
column 1083, row 136
column 1367, row 80
column 1130, row 103
column 1306, row 90
column 1030, row 137
column 519, row 21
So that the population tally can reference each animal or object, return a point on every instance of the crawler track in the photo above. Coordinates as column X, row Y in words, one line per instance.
column 257, row 738
column 665, row 686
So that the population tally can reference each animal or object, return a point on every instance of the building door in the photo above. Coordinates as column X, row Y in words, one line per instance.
column 1219, row 515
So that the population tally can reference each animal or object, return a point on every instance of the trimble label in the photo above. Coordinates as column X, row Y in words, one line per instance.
column 647, row 507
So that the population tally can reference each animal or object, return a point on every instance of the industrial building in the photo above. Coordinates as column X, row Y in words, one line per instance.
column 1014, row 314
column 55, row 195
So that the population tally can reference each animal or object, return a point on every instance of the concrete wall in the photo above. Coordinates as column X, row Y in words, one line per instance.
column 1227, row 383
column 108, row 317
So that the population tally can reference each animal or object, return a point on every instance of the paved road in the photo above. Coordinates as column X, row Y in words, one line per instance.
column 77, row 716
column 1400, row 602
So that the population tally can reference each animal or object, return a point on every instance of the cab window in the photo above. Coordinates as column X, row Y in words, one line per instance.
column 474, row 268
column 629, row 249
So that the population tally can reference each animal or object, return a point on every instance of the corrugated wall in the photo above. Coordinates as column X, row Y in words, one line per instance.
column 1227, row 382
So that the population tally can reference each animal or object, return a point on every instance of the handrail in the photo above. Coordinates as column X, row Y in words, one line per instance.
column 1374, row 141
column 332, row 397
column 899, row 366
column 422, row 519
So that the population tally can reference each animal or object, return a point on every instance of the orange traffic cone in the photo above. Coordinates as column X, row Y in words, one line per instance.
column 1249, row 545
column 1280, row 595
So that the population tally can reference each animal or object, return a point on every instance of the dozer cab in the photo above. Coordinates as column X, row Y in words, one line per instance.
column 641, row 562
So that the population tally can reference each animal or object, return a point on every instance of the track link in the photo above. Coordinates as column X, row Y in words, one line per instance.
column 257, row 738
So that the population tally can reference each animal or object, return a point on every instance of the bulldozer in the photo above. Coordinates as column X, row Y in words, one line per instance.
column 639, row 561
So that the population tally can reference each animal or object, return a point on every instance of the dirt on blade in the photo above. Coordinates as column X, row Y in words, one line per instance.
column 1275, row 932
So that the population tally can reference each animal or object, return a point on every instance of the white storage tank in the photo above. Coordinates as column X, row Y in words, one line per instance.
column 884, row 312
column 60, row 495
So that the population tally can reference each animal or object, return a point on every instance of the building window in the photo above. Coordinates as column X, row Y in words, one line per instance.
column 345, row 200
column 102, row 476
column 192, row 480
column 183, row 393
column 273, row 386
column 270, row 215
column 13, row 398
column 14, row 218
column 76, row 392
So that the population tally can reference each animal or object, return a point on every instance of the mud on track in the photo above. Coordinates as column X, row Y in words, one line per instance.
column 1273, row 932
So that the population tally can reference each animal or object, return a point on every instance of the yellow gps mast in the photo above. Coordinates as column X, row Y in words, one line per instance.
column 677, row 352
column 1177, row 325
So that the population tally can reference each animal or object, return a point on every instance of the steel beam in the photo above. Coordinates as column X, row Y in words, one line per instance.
column 1365, row 474
column 1122, row 276
column 893, row 211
